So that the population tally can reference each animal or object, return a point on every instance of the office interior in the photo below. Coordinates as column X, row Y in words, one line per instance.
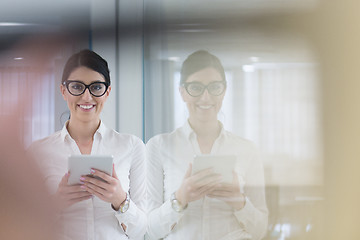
column 291, row 69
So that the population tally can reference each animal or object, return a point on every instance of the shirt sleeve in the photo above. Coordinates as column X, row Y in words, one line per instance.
column 161, row 217
column 134, row 218
column 254, row 215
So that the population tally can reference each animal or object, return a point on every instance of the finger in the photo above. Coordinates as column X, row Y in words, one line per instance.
column 203, row 173
column 94, row 189
column 227, row 198
column 81, row 194
column 76, row 200
column 101, row 175
column 209, row 179
column 209, row 187
column 188, row 171
column 200, row 193
column 114, row 173
column 64, row 179
column 217, row 193
column 95, row 183
column 235, row 178
column 226, row 186
column 72, row 189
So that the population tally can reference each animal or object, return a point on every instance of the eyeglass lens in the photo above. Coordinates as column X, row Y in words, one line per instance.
column 195, row 89
column 77, row 88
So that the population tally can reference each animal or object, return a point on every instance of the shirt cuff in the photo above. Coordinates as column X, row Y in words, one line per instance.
column 245, row 214
column 133, row 219
column 169, row 213
column 162, row 220
column 130, row 215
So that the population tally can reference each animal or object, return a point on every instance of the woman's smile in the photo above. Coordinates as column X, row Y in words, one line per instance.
column 86, row 107
column 205, row 106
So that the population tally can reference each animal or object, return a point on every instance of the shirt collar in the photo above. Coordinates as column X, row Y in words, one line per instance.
column 64, row 131
column 101, row 130
column 188, row 131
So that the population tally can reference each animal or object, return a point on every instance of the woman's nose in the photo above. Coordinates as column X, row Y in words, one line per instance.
column 205, row 95
column 86, row 95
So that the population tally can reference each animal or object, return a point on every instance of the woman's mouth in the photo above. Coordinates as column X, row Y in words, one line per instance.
column 86, row 107
column 205, row 107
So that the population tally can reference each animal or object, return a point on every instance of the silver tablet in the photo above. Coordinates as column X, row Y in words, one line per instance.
column 79, row 165
column 222, row 164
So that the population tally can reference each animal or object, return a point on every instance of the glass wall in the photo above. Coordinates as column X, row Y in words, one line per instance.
column 292, row 89
column 273, row 95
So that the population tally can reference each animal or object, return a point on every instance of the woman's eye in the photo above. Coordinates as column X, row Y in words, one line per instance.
column 96, row 87
column 77, row 86
column 196, row 87
column 215, row 87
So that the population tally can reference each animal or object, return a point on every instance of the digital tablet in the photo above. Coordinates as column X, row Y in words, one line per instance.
column 79, row 165
column 222, row 164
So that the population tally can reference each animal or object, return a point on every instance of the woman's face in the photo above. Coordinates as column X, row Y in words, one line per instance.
column 86, row 107
column 206, row 106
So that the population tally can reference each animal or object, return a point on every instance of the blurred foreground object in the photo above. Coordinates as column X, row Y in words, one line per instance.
column 26, row 210
column 25, row 206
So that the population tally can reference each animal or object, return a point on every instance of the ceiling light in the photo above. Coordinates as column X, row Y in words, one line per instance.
column 12, row 24
column 254, row 59
column 174, row 59
column 248, row 68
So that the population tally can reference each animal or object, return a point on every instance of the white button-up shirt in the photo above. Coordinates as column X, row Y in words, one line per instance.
column 95, row 219
column 168, row 157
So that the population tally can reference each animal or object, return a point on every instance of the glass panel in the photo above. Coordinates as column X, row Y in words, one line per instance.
column 272, row 98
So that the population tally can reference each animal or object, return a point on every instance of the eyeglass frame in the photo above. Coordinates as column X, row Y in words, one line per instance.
column 87, row 86
column 186, row 84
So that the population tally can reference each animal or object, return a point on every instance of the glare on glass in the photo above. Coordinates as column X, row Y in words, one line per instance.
column 76, row 88
column 196, row 89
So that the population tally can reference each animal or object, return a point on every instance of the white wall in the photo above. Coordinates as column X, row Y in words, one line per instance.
column 124, row 110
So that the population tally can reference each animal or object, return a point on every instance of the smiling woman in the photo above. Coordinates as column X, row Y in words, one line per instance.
column 94, row 209
column 85, row 93
column 187, row 205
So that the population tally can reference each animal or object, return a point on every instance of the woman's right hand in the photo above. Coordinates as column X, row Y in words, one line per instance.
column 67, row 195
column 195, row 187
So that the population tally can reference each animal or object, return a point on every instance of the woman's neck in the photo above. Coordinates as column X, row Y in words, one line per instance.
column 82, row 132
column 206, row 133
column 206, row 129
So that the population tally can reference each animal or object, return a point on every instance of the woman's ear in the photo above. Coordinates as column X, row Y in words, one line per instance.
column 62, row 90
column 182, row 93
column 223, row 94
column 108, row 91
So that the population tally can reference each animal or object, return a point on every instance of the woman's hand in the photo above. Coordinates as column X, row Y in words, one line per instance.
column 109, row 191
column 67, row 195
column 230, row 193
column 196, row 186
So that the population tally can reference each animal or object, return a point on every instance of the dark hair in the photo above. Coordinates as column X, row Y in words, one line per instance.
column 89, row 59
column 200, row 60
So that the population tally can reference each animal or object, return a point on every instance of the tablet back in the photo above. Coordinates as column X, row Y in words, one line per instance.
column 79, row 165
column 222, row 164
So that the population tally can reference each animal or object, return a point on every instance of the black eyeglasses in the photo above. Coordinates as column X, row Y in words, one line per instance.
column 196, row 89
column 76, row 88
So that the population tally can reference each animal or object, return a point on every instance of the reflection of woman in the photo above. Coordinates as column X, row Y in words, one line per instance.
column 93, row 209
column 200, row 206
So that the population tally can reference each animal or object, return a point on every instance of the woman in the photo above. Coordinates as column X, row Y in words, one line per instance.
column 94, row 209
column 183, row 205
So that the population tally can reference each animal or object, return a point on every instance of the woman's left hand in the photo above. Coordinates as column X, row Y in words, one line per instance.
column 109, row 191
column 229, row 193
